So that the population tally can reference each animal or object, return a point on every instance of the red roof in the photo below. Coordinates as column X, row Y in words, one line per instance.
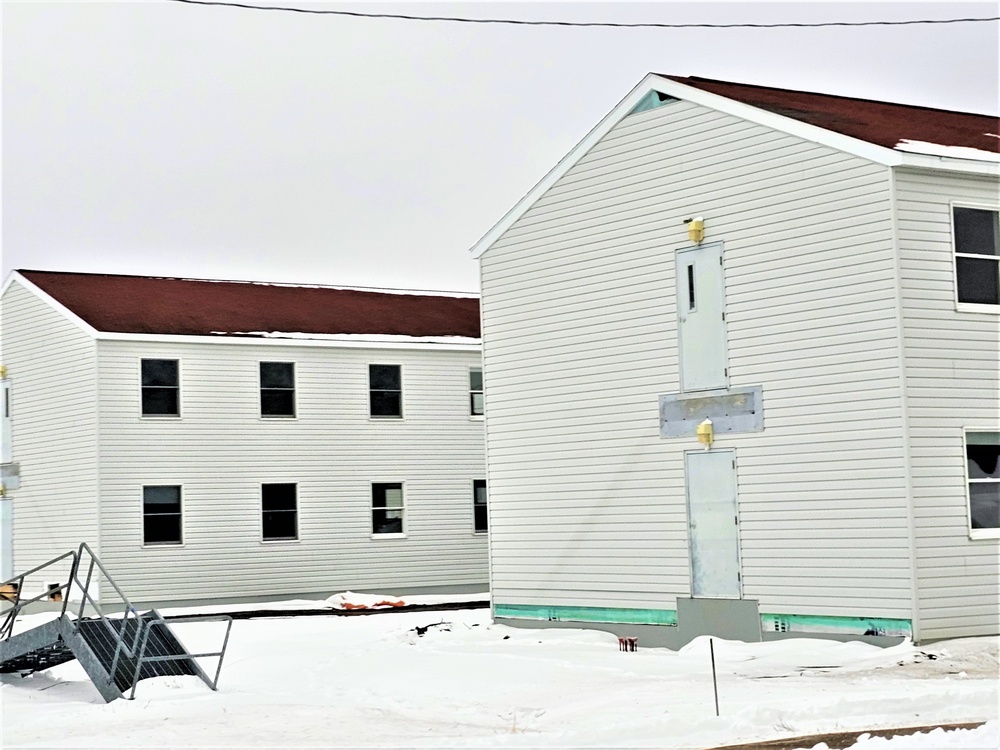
column 140, row 304
column 881, row 123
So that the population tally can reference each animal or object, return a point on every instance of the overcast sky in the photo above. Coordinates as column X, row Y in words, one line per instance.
column 161, row 138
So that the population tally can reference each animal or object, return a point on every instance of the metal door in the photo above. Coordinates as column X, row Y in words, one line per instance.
column 701, row 329
column 713, row 524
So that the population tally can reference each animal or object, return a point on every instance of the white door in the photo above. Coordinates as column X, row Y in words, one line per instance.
column 701, row 329
column 713, row 524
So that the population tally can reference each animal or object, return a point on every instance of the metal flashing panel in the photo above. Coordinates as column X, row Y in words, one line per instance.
column 732, row 410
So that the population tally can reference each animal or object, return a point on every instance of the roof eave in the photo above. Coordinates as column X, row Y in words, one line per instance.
column 950, row 164
column 459, row 344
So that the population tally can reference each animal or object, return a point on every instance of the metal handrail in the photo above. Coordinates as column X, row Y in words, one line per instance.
column 221, row 653
column 19, row 603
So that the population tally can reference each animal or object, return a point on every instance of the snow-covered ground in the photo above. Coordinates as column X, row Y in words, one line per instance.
column 452, row 679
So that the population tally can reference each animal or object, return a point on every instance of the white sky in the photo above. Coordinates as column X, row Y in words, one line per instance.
column 166, row 139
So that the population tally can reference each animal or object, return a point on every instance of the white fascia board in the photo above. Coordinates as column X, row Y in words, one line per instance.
column 461, row 344
column 949, row 164
column 812, row 133
column 51, row 301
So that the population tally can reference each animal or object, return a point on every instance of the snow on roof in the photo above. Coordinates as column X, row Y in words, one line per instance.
column 199, row 307
column 881, row 123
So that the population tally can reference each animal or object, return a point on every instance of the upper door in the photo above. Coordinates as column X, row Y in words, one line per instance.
column 701, row 334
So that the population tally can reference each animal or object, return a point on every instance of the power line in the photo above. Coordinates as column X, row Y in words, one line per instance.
column 600, row 24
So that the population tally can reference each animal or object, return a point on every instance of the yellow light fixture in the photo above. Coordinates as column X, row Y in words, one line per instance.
column 696, row 230
column 704, row 433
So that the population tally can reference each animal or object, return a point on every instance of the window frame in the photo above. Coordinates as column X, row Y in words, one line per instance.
column 298, row 530
column 372, row 508
column 294, row 389
column 975, row 533
column 142, row 517
column 385, row 417
column 142, row 413
column 974, row 307
column 473, row 414
column 486, row 506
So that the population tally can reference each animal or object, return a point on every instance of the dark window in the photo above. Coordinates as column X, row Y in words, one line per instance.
column 982, row 451
column 277, row 389
column 387, row 508
column 385, row 383
column 161, row 514
column 279, row 507
column 476, row 391
column 977, row 255
column 160, row 387
column 479, row 505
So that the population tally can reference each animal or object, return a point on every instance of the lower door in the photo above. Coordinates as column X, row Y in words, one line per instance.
column 713, row 524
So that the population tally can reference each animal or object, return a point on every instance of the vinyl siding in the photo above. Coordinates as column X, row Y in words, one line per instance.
column 220, row 451
column 952, row 361
column 50, row 364
column 587, row 502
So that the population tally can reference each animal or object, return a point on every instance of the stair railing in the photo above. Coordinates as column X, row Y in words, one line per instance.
column 19, row 602
column 148, row 626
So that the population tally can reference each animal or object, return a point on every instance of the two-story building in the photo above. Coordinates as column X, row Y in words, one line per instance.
column 811, row 280
column 226, row 440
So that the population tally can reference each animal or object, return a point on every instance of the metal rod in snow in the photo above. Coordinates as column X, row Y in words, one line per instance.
column 715, row 683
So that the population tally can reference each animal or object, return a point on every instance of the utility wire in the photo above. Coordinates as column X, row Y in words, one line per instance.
column 602, row 24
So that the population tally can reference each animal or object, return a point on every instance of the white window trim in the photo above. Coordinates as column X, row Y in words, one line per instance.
column 295, row 393
column 475, row 531
column 371, row 508
column 402, row 391
column 298, row 529
column 142, row 517
column 476, row 417
column 969, row 307
column 180, row 388
column 974, row 533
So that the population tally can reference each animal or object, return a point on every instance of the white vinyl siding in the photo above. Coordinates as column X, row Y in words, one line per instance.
column 50, row 363
column 221, row 451
column 587, row 503
column 952, row 361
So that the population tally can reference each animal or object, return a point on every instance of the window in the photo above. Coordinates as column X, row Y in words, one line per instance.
column 385, row 383
column 161, row 514
column 279, row 509
column 479, row 505
column 982, row 451
column 387, row 508
column 160, row 388
column 977, row 255
column 476, row 391
column 277, row 389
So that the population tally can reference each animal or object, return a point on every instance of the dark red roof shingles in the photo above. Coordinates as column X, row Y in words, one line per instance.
column 139, row 304
column 881, row 123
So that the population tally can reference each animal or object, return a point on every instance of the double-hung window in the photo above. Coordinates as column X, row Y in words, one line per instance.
column 480, row 524
column 161, row 514
column 476, row 391
column 385, row 391
column 279, row 512
column 160, row 388
column 977, row 255
column 982, row 454
column 277, row 389
column 387, row 508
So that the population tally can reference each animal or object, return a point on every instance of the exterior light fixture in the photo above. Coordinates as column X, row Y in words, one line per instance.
column 704, row 433
column 696, row 229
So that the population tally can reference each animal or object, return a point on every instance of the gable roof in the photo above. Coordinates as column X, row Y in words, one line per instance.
column 882, row 132
column 197, row 307
column 881, row 123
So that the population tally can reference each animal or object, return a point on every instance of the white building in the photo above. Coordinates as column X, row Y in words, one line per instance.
column 219, row 440
column 838, row 324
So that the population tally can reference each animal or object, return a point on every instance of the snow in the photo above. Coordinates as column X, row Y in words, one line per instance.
column 955, row 152
column 375, row 338
column 454, row 679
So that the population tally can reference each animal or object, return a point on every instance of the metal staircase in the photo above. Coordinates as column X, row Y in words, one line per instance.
column 117, row 651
